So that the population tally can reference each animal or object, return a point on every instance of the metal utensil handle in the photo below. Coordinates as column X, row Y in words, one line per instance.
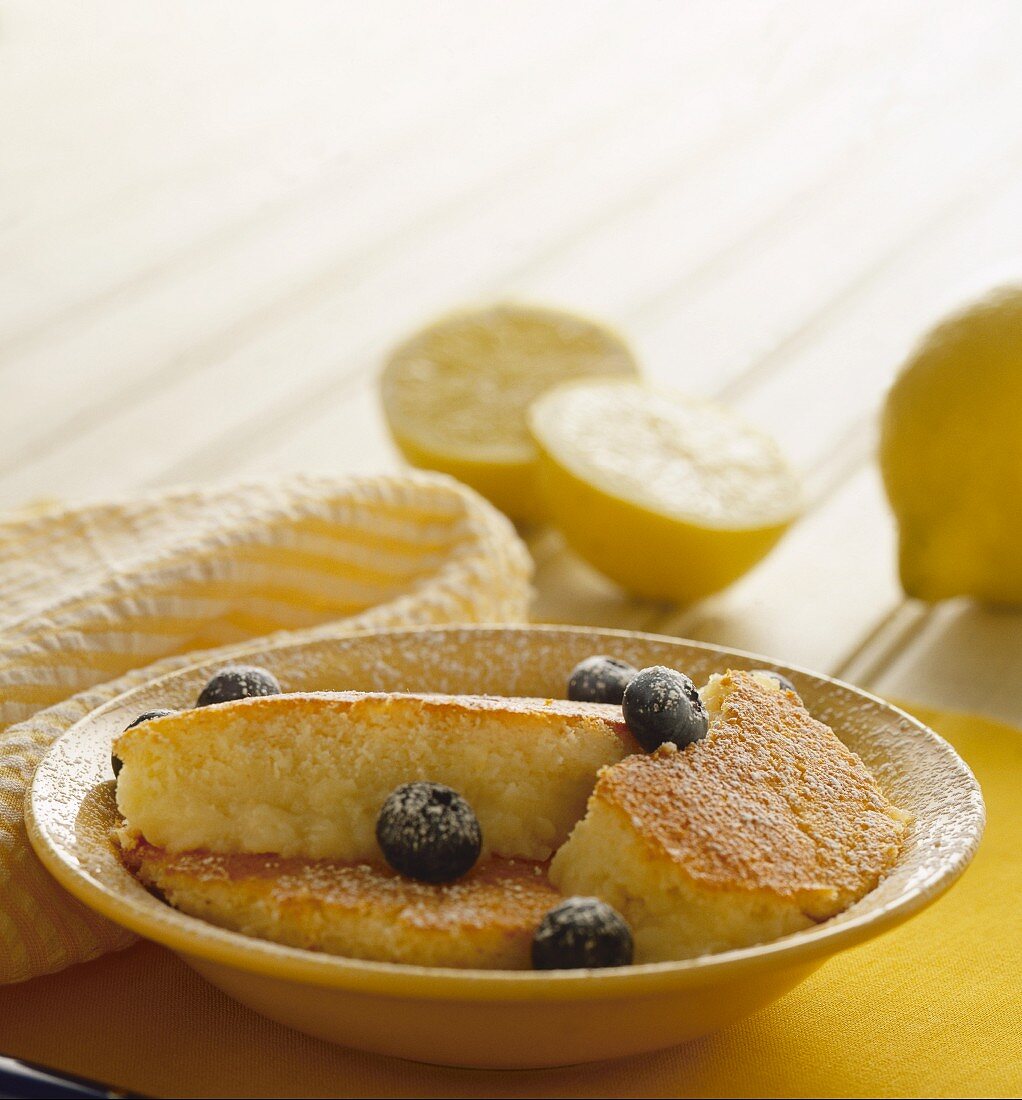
column 27, row 1081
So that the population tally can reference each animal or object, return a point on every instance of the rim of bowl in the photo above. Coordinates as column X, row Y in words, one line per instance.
column 155, row 920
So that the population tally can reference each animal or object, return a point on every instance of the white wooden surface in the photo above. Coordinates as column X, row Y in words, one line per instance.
column 217, row 217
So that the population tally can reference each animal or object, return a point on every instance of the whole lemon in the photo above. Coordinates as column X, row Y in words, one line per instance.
column 951, row 455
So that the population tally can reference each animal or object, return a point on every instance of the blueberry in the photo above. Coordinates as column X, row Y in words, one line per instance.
column 429, row 832
column 582, row 932
column 145, row 718
column 115, row 761
column 238, row 682
column 661, row 705
column 782, row 680
column 600, row 680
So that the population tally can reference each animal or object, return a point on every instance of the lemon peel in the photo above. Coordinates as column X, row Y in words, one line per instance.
column 951, row 455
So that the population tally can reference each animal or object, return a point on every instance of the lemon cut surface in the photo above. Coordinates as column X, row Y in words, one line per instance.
column 455, row 394
column 673, row 498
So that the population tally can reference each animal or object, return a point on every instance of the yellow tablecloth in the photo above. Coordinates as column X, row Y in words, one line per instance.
column 931, row 1009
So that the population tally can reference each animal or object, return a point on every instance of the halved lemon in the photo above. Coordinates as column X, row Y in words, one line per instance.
column 455, row 394
column 671, row 497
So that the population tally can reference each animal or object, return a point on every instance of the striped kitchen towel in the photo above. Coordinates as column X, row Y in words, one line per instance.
column 97, row 599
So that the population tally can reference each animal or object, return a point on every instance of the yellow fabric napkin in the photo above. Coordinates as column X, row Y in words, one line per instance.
column 87, row 594
column 930, row 1009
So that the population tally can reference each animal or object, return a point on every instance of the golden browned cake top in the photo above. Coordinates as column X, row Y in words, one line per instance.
column 496, row 894
column 770, row 800
column 403, row 704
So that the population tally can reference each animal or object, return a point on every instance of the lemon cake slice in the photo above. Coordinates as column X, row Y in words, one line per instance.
column 762, row 828
column 259, row 815
column 305, row 775
column 486, row 919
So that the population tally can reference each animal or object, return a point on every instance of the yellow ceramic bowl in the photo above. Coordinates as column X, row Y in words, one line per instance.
column 497, row 1018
